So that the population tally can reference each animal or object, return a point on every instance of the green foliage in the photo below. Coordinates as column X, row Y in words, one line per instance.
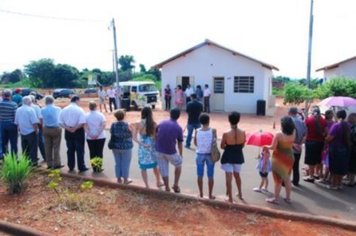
column 149, row 77
column 97, row 163
column 126, row 62
column 296, row 94
column 278, row 92
column 15, row 172
column 13, row 77
column 340, row 86
column 25, row 83
column 282, row 79
column 68, row 199
column 314, row 83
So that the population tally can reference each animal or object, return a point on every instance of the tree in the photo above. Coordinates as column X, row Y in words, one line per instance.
column 126, row 63
column 13, row 77
column 41, row 72
column 142, row 68
column 296, row 94
column 338, row 86
column 65, row 76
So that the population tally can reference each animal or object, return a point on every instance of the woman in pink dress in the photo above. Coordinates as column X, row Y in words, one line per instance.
column 178, row 98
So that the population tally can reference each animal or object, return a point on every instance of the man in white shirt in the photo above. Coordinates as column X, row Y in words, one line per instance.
column 72, row 119
column 27, row 122
column 40, row 140
column 188, row 92
column 206, row 95
column 102, row 96
column 112, row 98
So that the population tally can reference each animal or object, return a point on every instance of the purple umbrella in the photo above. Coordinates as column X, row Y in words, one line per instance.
column 338, row 102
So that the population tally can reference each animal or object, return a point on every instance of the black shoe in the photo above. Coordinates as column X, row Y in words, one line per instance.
column 83, row 170
column 58, row 167
column 71, row 169
column 308, row 179
column 296, row 184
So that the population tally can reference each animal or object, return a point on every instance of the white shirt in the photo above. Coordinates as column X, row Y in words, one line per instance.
column 25, row 118
column 95, row 121
column 189, row 91
column 207, row 92
column 102, row 94
column 72, row 116
column 204, row 141
column 111, row 93
column 37, row 110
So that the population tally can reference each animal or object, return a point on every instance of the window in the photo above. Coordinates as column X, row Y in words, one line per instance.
column 134, row 89
column 147, row 88
column 244, row 84
column 219, row 85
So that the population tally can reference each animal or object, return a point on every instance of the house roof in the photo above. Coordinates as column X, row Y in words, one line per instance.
column 209, row 42
column 335, row 65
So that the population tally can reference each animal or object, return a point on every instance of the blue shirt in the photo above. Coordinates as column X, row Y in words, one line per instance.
column 50, row 115
column 168, row 133
column 7, row 110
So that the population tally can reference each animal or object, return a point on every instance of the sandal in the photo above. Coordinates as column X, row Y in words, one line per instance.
column 160, row 185
column 176, row 188
column 272, row 200
column 287, row 200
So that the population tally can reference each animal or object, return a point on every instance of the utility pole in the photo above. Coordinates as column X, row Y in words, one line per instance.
column 118, row 92
column 310, row 40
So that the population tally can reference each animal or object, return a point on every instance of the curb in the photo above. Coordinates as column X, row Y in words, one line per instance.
column 17, row 229
column 281, row 214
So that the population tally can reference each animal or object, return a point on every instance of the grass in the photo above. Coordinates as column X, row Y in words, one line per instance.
column 15, row 172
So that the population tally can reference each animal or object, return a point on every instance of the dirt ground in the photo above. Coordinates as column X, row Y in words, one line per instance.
column 122, row 212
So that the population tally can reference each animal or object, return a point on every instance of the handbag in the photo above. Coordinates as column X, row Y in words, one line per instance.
column 111, row 143
column 215, row 153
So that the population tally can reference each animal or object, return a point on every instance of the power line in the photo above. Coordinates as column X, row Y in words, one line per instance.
column 24, row 14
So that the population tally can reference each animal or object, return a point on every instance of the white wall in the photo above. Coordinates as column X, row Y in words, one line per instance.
column 347, row 69
column 208, row 62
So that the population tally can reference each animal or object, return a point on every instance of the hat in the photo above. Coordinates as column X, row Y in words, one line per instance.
column 293, row 110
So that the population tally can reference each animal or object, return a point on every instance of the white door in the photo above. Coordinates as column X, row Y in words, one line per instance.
column 218, row 96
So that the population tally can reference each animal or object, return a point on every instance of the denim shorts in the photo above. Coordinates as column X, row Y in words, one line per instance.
column 201, row 160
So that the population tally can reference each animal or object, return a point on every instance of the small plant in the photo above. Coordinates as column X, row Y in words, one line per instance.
column 97, row 164
column 68, row 199
column 15, row 172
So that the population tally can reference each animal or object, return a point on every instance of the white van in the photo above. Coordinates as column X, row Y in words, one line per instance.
column 140, row 93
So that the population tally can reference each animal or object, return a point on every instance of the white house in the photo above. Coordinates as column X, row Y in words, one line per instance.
column 345, row 68
column 236, row 81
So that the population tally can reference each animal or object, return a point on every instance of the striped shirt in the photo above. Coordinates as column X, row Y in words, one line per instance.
column 7, row 110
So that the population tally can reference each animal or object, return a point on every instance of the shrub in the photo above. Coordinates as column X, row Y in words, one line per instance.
column 15, row 172
column 339, row 86
column 97, row 164
column 68, row 199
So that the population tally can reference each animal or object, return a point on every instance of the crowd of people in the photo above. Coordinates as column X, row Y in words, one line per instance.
column 330, row 143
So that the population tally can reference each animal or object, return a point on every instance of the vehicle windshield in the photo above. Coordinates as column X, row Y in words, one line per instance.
column 147, row 88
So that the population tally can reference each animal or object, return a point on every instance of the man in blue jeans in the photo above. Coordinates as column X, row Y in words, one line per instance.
column 194, row 109
column 8, row 127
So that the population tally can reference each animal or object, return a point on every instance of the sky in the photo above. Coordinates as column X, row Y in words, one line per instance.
column 76, row 32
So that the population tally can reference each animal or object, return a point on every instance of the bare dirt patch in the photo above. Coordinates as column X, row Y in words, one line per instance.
column 123, row 212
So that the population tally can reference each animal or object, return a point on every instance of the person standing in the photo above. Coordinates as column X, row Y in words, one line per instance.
column 178, row 97
column 94, row 129
column 232, row 158
column 147, row 155
column 314, row 144
column 282, row 159
column 206, row 94
column 27, row 122
column 203, row 140
column 167, row 97
column 121, row 145
column 40, row 137
column 168, row 135
column 112, row 98
column 52, row 133
column 194, row 109
column 339, row 150
column 8, row 127
column 188, row 93
column 102, row 96
column 300, row 134
column 199, row 93
column 72, row 119
column 17, row 97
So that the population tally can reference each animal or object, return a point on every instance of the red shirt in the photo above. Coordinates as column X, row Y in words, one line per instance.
column 313, row 133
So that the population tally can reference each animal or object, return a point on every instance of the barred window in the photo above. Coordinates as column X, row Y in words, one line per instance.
column 244, row 84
